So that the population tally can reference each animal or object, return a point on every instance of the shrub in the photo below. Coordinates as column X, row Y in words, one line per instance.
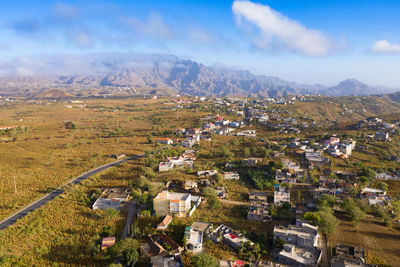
column 205, row 260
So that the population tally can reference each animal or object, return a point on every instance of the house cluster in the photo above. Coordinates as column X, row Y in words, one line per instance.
column 339, row 149
column 281, row 194
column 185, row 160
column 111, row 199
column 162, row 251
column 315, row 159
column 330, row 186
column 301, row 245
column 259, row 207
column 220, row 126
column 388, row 176
column 374, row 123
column 291, row 172
column 284, row 124
column 374, row 196
column 247, row 133
column 382, row 137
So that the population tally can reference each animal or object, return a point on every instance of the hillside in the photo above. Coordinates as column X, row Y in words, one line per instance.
column 166, row 75
column 55, row 94
column 350, row 87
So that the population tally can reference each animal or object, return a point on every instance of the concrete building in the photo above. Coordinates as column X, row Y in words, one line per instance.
column 165, row 166
column 305, row 235
column 281, row 194
column 165, row 222
column 170, row 203
column 349, row 256
column 194, row 240
column 227, row 235
column 259, row 212
column 207, row 173
column 231, row 176
column 111, row 199
column 165, row 141
column 297, row 256
column 301, row 248
column 252, row 162
column 258, row 196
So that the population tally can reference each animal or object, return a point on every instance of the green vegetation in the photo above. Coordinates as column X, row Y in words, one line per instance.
column 205, row 260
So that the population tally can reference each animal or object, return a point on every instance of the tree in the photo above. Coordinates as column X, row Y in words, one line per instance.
column 212, row 198
column 205, row 260
column 110, row 214
column 382, row 185
column 130, row 256
column 297, row 197
column 355, row 213
column 149, row 139
column 126, row 250
column 368, row 172
column 246, row 152
column 326, row 201
column 328, row 222
column 279, row 242
column 218, row 178
column 312, row 217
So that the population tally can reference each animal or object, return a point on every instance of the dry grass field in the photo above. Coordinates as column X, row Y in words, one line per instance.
column 49, row 153
column 381, row 243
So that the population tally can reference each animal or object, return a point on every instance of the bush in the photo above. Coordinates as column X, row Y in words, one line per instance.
column 205, row 260
column 262, row 181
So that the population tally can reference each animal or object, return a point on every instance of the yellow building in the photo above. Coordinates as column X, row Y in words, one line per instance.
column 171, row 203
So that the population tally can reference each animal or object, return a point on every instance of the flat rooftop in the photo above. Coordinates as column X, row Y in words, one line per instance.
column 301, row 255
column 200, row 226
column 196, row 237
column 293, row 232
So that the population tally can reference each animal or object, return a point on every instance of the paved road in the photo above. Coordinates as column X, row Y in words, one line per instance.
column 132, row 211
column 49, row 197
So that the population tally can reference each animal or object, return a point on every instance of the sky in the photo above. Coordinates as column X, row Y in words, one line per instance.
column 307, row 41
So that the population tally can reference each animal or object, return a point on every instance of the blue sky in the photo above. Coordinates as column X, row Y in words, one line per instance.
column 309, row 41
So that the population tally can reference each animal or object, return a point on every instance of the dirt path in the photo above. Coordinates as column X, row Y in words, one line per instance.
column 233, row 202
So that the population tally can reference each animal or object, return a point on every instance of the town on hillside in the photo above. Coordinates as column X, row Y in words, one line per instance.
column 196, row 181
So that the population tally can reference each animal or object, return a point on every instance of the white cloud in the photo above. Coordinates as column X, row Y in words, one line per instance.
column 82, row 38
column 384, row 47
column 197, row 35
column 280, row 33
column 155, row 27
column 65, row 11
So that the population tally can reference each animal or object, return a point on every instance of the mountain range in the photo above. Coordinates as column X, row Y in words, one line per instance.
column 161, row 74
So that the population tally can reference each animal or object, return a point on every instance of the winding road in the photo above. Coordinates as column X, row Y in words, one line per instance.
column 56, row 192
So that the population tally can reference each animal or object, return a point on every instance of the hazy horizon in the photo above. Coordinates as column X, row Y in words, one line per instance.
column 303, row 42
